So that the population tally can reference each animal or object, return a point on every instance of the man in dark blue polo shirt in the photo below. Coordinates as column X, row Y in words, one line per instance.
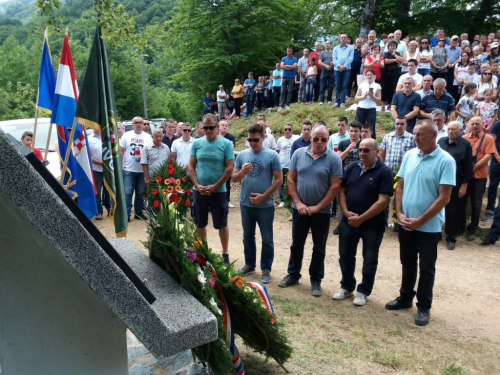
column 305, row 137
column 406, row 103
column 366, row 188
column 289, row 66
column 438, row 100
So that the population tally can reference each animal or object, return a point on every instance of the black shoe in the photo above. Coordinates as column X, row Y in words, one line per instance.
column 450, row 245
column 129, row 219
column 288, row 281
column 140, row 216
column 422, row 317
column 225, row 259
column 336, row 231
column 470, row 237
column 397, row 304
column 487, row 240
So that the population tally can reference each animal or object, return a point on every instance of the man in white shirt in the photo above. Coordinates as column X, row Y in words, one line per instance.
column 336, row 138
column 95, row 144
column 412, row 73
column 181, row 148
column 283, row 147
column 221, row 101
column 154, row 155
column 302, row 66
column 439, row 118
column 131, row 145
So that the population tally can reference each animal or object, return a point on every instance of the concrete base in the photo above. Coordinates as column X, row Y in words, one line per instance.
column 52, row 322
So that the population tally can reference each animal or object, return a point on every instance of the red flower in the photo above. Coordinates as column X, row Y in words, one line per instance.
column 201, row 259
column 171, row 199
column 156, row 204
column 183, row 180
column 189, row 191
column 159, row 179
column 154, row 191
column 187, row 202
column 288, row 192
column 171, row 168
column 178, row 198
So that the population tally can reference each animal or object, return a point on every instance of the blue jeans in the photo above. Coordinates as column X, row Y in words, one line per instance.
column 418, row 247
column 99, row 186
column 348, row 243
column 320, row 226
column 341, row 78
column 311, row 82
column 264, row 217
column 249, row 103
column 492, row 188
column 424, row 72
column 134, row 182
column 327, row 80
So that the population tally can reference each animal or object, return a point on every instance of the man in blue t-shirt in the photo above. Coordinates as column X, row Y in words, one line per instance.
column 207, row 102
column 210, row 166
column 248, row 87
column 289, row 66
column 256, row 167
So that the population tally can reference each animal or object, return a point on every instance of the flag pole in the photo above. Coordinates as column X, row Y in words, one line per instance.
column 68, row 150
column 34, row 131
column 48, row 141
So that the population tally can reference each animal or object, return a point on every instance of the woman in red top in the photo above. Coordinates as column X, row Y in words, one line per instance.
column 375, row 61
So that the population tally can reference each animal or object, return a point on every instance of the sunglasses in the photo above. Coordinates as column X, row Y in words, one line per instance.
column 424, row 42
column 441, row 40
column 288, row 130
column 366, row 150
column 487, row 74
column 146, row 124
column 317, row 139
column 250, row 140
column 186, row 130
column 209, row 127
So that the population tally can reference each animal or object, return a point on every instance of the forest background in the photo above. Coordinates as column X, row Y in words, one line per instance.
column 193, row 46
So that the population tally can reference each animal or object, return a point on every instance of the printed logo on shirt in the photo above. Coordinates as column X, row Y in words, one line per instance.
column 257, row 166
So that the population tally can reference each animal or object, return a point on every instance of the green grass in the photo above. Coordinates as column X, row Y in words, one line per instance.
column 453, row 369
column 300, row 112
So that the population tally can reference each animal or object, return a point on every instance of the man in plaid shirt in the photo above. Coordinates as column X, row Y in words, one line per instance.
column 395, row 144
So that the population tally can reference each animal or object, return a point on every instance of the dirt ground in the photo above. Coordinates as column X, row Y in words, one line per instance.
column 332, row 337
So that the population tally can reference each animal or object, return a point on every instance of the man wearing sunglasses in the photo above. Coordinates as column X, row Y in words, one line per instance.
column 256, row 168
column 365, row 192
column 210, row 166
column 313, row 180
column 181, row 147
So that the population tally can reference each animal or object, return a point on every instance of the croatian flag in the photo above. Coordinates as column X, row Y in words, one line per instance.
column 63, row 114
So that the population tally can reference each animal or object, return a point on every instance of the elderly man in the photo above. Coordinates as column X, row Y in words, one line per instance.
column 406, row 103
column 343, row 55
column 401, row 47
column 210, row 166
column 439, row 118
column 426, row 87
column 121, row 129
column 154, row 155
column 367, row 47
column 483, row 148
column 259, row 170
column 181, row 148
column 302, row 66
column 427, row 172
column 170, row 136
column 461, row 150
column 313, row 181
column 327, row 73
column 366, row 190
column 289, row 66
column 438, row 100
column 316, row 54
column 131, row 145
column 464, row 36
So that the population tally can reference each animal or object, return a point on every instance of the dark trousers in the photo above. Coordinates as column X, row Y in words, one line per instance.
column 320, row 225
column 317, row 86
column 452, row 213
column 249, row 103
column 260, row 101
column 327, row 82
column 438, row 75
column 475, row 190
column 389, row 84
column 495, row 227
column 492, row 188
column 99, row 185
column 353, row 81
column 228, row 189
column 368, row 115
column 450, row 77
column 269, row 99
column 286, row 90
column 237, row 106
column 276, row 94
column 285, row 171
column 348, row 244
column 421, row 247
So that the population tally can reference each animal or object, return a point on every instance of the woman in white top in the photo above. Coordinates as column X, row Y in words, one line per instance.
column 412, row 53
column 459, row 74
column 486, row 82
column 369, row 92
column 426, row 55
column 311, row 74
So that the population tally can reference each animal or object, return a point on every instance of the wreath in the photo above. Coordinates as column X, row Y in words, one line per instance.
column 241, row 308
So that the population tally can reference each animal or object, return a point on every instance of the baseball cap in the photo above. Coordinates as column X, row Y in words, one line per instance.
column 454, row 37
column 494, row 45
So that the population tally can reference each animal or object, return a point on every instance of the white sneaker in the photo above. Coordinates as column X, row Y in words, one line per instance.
column 320, row 103
column 341, row 294
column 279, row 109
column 290, row 218
column 342, row 105
column 335, row 105
column 230, row 205
column 330, row 102
column 287, row 107
column 281, row 205
column 360, row 299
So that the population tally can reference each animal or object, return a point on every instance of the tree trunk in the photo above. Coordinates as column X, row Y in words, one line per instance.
column 368, row 18
column 403, row 12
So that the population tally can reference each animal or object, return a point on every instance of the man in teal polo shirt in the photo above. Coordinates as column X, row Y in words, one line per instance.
column 426, row 178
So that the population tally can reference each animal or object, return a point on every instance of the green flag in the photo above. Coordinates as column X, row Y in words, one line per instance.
column 96, row 109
